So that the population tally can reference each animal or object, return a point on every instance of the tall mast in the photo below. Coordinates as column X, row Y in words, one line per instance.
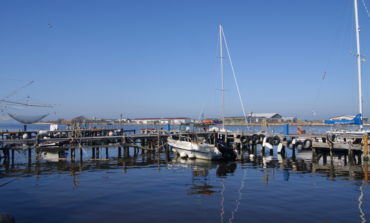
column 358, row 62
column 222, row 79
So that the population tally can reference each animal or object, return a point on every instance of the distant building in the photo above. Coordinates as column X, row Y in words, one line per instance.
column 162, row 121
column 289, row 119
column 258, row 118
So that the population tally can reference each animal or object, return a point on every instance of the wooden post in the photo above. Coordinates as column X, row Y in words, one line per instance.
column 73, row 155
column 293, row 152
column 366, row 148
column 314, row 155
column 324, row 158
column 93, row 152
column 6, row 154
column 126, row 150
column 29, row 156
column 81, row 154
column 106, row 153
column 119, row 152
column 97, row 153
column 12, row 157
column 351, row 157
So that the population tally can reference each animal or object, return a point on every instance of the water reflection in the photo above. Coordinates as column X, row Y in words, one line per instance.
column 27, row 163
column 232, row 185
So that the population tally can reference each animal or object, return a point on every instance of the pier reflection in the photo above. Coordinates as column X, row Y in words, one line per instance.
column 26, row 163
column 228, row 188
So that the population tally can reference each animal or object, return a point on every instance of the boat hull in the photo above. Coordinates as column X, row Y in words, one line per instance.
column 197, row 150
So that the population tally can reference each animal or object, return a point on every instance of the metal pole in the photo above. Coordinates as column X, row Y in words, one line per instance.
column 358, row 62
column 222, row 79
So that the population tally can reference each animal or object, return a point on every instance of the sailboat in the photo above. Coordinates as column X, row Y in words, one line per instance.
column 196, row 147
column 358, row 119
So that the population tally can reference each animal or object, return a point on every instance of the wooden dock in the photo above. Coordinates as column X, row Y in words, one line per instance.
column 156, row 140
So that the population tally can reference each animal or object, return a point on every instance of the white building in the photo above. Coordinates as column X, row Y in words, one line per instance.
column 162, row 121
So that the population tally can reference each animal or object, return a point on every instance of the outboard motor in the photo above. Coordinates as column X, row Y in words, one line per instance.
column 227, row 152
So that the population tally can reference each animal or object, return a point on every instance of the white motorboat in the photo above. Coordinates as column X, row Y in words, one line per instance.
column 186, row 147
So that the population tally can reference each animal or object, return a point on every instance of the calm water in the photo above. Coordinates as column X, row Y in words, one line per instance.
column 161, row 188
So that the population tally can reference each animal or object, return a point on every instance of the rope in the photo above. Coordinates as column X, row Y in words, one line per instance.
column 233, row 71
column 366, row 9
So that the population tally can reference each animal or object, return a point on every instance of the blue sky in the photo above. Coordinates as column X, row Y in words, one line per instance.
column 160, row 58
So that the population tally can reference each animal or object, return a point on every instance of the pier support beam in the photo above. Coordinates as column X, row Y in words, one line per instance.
column 119, row 152
column 81, row 155
column 12, row 160
column 29, row 156
column 126, row 151
column 97, row 155
column 73, row 154
column 93, row 152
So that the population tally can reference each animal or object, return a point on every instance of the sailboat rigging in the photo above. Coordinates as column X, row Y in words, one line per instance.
column 191, row 146
column 358, row 120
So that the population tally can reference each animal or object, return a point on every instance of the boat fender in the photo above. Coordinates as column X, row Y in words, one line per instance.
column 268, row 145
column 250, row 140
column 244, row 139
column 264, row 141
column 289, row 143
column 332, row 137
column 270, row 140
column 280, row 147
column 255, row 138
column 261, row 138
column 299, row 144
column 276, row 140
column 307, row 144
column 294, row 142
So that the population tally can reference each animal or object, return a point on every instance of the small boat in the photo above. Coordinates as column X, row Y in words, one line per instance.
column 196, row 149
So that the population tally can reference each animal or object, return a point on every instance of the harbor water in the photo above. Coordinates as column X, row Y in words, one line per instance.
column 159, row 187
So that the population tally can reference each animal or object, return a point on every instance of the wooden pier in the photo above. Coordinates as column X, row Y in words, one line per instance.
column 156, row 140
